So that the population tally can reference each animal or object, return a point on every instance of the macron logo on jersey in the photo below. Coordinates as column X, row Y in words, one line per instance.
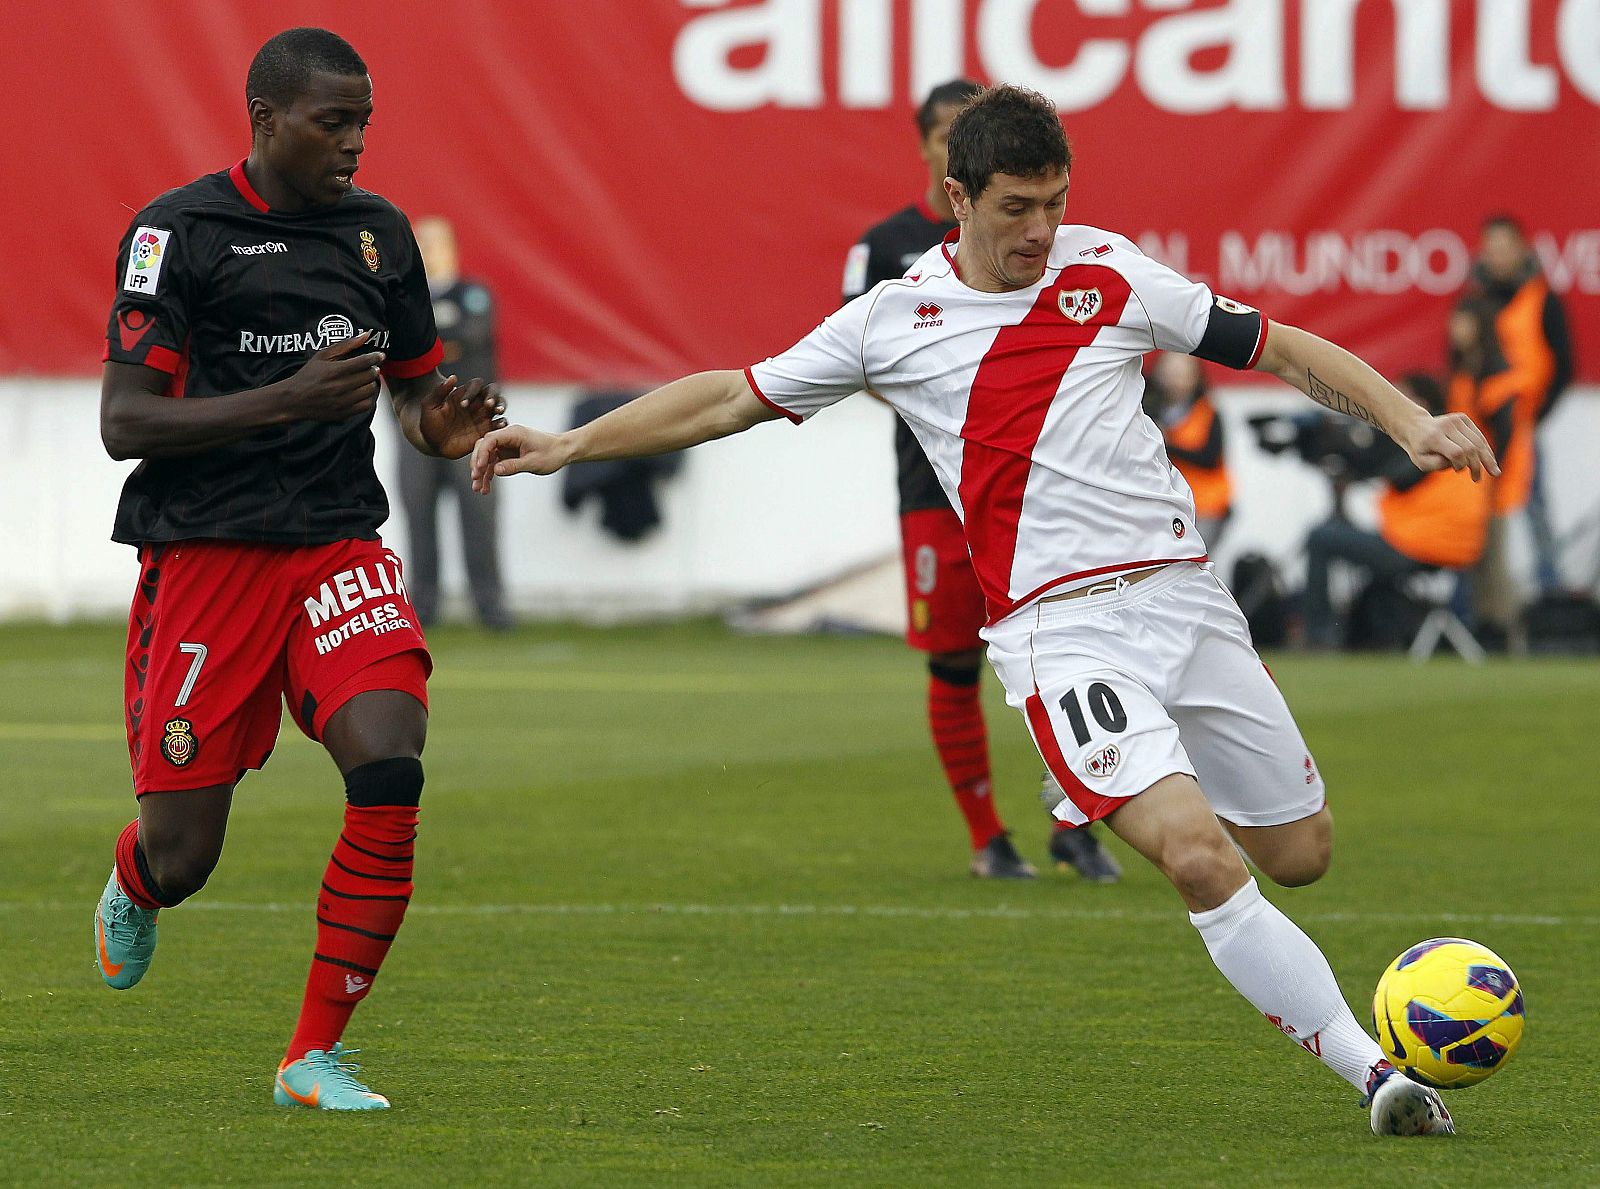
column 146, row 254
column 270, row 248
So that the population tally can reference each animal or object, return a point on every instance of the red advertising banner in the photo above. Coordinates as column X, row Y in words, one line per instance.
column 658, row 186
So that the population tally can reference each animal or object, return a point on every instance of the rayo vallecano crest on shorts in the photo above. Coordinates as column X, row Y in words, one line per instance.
column 1080, row 304
column 178, row 744
column 369, row 250
column 1103, row 762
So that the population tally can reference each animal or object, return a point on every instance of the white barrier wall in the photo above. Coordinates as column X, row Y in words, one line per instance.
column 756, row 516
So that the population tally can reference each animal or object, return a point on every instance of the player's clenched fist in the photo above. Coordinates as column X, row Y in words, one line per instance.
column 337, row 383
column 517, row 449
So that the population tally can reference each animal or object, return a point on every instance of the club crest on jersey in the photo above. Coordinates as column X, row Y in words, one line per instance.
column 928, row 315
column 1103, row 762
column 1177, row 528
column 369, row 250
column 1080, row 304
column 178, row 744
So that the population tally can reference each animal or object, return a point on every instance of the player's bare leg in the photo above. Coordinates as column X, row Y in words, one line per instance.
column 1266, row 957
column 162, row 858
column 1293, row 854
column 376, row 739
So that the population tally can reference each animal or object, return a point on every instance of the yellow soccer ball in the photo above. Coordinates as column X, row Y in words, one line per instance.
column 1448, row 1012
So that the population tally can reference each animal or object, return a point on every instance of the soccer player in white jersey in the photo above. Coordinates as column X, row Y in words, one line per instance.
column 1013, row 352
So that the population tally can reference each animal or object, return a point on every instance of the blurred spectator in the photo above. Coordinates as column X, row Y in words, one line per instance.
column 1530, row 326
column 1176, row 398
column 1425, row 521
column 1485, row 387
column 464, row 312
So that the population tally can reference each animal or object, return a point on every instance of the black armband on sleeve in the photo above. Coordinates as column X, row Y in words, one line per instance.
column 1234, row 335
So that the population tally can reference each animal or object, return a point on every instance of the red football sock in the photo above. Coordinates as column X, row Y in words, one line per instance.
column 363, row 900
column 132, row 881
column 955, row 716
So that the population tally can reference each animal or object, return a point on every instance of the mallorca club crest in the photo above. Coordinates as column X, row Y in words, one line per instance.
column 178, row 744
column 369, row 250
column 1080, row 305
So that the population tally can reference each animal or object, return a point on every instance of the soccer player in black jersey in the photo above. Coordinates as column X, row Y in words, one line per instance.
column 944, row 607
column 257, row 310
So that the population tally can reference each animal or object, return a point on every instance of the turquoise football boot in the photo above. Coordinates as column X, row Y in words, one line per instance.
column 124, row 936
column 325, row 1081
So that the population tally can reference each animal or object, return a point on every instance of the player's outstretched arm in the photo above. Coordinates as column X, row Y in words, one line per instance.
column 686, row 412
column 1337, row 380
column 139, row 420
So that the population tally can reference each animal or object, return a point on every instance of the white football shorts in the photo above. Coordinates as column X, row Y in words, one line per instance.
column 1123, row 687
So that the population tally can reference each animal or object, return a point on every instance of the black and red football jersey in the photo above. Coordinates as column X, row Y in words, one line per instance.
column 884, row 253
column 226, row 295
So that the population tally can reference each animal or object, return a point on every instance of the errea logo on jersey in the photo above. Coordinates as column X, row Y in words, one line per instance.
column 330, row 329
column 927, row 315
column 1080, row 304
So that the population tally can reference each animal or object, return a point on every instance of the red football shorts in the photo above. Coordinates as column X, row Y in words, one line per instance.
column 220, row 631
column 944, row 607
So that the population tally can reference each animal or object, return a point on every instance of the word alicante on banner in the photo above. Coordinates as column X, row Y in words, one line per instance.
column 1096, row 60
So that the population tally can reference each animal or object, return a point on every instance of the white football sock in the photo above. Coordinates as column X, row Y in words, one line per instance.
column 1285, row 977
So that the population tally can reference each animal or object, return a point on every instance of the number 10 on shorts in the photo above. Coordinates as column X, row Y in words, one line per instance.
column 1103, row 704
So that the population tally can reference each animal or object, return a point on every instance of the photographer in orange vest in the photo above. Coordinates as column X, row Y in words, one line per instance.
column 1434, row 520
column 1486, row 388
column 1530, row 328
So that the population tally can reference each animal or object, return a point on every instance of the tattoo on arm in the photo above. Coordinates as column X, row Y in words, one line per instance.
column 1338, row 401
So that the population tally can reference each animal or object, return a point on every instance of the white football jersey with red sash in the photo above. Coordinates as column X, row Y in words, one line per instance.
column 1028, row 403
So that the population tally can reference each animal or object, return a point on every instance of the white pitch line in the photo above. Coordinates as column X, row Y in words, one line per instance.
column 863, row 911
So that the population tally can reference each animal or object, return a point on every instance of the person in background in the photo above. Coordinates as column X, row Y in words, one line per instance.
column 1178, row 401
column 1486, row 388
column 1434, row 519
column 1530, row 326
column 944, row 607
column 464, row 312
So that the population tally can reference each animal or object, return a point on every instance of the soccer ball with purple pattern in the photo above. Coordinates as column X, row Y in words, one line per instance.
column 1448, row 1012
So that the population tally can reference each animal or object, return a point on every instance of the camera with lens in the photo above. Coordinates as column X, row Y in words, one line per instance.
column 1336, row 446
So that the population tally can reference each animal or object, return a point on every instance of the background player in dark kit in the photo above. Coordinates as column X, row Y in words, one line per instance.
column 944, row 607
column 270, row 298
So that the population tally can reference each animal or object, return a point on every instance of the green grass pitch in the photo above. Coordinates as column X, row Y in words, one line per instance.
column 692, row 909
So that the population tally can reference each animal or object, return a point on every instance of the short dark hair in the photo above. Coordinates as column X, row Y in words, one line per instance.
column 1502, row 219
column 955, row 93
column 284, row 65
column 1007, row 129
